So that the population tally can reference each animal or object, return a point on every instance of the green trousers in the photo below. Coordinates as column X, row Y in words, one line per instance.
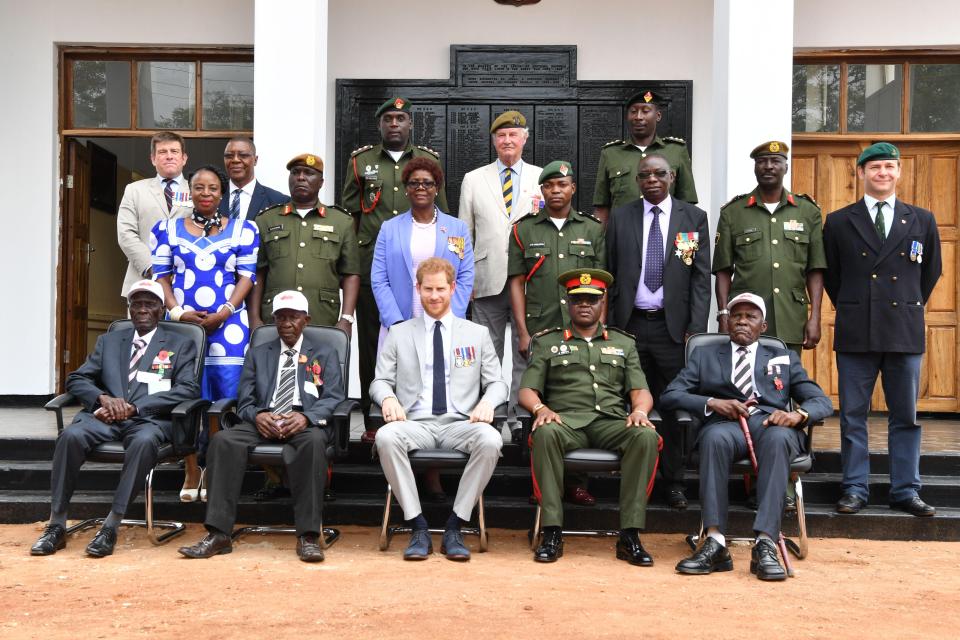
column 637, row 446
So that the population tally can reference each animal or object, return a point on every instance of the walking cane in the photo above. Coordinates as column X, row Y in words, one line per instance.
column 781, row 543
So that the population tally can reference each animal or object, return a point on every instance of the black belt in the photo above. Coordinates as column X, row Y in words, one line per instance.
column 649, row 314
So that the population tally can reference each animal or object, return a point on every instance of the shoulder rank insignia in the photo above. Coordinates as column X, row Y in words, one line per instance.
column 621, row 332
column 808, row 198
column 590, row 216
column 675, row 139
column 613, row 142
column 428, row 150
column 336, row 207
column 267, row 208
column 734, row 199
column 545, row 332
column 361, row 149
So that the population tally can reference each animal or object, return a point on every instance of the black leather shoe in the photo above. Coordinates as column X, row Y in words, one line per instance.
column 551, row 547
column 914, row 506
column 308, row 548
column 102, row 543
column 676, row 499
column 710, row 557
column 850, row 503
column 212, row 544
column 764, row 561
column 630, row 549
column 53, row 539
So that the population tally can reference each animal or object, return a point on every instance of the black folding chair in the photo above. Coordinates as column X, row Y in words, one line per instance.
column 271, row 453
column 186, row 419
column 799, row 466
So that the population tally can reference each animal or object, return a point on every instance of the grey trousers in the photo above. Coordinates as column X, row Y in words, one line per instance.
column 494, row 313
column 450, row 431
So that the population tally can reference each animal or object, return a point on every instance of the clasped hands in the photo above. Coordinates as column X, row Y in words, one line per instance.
column 735, row 409
column 113, row 409
column 280, row 426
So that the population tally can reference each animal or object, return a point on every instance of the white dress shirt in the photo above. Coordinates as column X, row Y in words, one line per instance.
column 246, row 194
column 888, row 210
column 646, row 299
column 424, row 403
column 296, row 363
column 147, row 337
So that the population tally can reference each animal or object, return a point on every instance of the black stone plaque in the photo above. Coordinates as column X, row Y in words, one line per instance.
column 568, row 119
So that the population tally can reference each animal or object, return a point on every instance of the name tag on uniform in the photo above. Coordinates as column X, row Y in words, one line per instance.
column 158, row 386
column 792, row 225
column 309, row 387
column 323, row 227
column 276, row 227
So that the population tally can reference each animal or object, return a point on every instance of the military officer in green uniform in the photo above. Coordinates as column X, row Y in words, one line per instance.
column 575, row 387
column 770, row 242
column 373, row 193
column 617, row 173
column 310, row 247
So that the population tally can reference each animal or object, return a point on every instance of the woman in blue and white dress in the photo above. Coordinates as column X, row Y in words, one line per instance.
column 207, row 265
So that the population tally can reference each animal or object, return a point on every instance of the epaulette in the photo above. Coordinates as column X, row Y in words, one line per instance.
column 808, row 198
column 612, row 142
column 591, row 217
column 621, row 331
column 675, row 139
column 428, row 150
column 268, row 207
column 546, row 331
column 361, row 150
column 337, row 207
column 734, row 199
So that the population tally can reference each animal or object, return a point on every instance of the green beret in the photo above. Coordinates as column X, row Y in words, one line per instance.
column 771, row 148
column 393, row 104
column 593, row 281
column 647, row 96
column 308, row 159
column 556, row 169
column 509, row 120
column 878, row 151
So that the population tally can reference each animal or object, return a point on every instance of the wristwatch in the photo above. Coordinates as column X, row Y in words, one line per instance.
column 722, row 312
column 803, row 414
column 349, row 318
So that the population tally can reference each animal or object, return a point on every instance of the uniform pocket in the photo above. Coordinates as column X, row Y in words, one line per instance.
column 622, row 184
column 748, row 245
column 326, row 244
column 799, row 245
column 278, row 244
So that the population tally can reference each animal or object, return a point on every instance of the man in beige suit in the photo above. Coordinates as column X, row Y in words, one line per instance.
column 492, row 198
column 148, row 201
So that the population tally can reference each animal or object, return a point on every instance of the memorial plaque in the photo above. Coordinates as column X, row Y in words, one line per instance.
column 568, row 119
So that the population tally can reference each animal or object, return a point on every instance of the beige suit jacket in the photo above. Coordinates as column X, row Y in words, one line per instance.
column 483, row 210
column 142, row 206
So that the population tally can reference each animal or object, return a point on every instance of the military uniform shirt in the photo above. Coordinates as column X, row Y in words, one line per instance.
column 540, row 252
column 617, row 173
column 770, row 255
column 309, row 254
column 581, row 380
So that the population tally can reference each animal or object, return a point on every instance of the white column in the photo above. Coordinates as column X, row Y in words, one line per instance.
column 290, row 87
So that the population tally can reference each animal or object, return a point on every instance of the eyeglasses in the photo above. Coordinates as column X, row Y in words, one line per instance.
column 660, row 174
column 242, row 155
column 426, row 185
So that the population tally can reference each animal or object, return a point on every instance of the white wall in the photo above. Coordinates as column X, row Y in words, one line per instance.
column 828, row 24
column 29, row 167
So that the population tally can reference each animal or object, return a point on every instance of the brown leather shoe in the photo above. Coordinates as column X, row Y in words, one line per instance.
column 580, row 495
column 308, row 548
column 212, row 544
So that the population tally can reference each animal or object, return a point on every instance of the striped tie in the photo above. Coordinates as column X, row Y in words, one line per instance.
column 168, row 193
column 508, row 190
column 139, row 347
column 283, row 399
column 235, row 204
column 742, row 379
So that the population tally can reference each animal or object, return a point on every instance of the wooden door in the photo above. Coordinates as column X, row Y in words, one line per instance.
column 76, row 259
column 930, row 178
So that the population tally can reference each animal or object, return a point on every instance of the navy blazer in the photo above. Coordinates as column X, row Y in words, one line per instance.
column 686, row 288
column 879, row 292
column 708, row 374
column 263, row 197
column 258, row 381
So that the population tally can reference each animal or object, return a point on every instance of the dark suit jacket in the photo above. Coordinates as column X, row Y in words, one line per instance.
column 258, row 380
column 878, row 291
column 105, row 371
column 262, row 198
column 686, row 289
column 709, row 369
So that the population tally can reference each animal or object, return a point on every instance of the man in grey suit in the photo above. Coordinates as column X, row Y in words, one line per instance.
column 430, row 375
column 150, row 200
column 492, row 198
column 288, row 390
column 715, row 384
column 128, row 387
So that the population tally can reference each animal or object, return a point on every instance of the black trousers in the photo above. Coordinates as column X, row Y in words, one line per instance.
column 661, row 360
column 141, row 439
column 368, row 334
column 304, row 456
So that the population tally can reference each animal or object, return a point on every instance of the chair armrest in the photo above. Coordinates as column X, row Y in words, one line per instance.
column 57, row 404
column 683, row 416
column 187, row 421
column 222, row 406
column 341, row 426
column 500, row 412
column 808, row 436
column 189, row 406
column 526, row 424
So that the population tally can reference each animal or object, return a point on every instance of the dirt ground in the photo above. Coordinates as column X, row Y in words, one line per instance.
column 846, row 588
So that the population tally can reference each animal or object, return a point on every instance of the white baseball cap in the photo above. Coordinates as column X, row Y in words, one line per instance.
column 290, row 300
column 150, row 286
column 750, row 298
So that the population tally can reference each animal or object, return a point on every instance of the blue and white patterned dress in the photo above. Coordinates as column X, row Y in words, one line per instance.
column 205, row 271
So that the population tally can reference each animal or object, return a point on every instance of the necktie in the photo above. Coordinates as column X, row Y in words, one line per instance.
column 508, row 190
column 653, row 274
column 741, row 376
column 168, row 192
column 139, row 347
column 283, row 398
column 235, row 204
column 439, row 372
column 879, row 223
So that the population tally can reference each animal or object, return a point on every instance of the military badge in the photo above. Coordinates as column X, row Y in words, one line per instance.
column 310, row 160
column 313, row 372
column 792, row 225
column 648, row 97
column 916, row 252
column 456, row 245
column 774, row 147
column 687, row 243
column 585, row 278
column 564, row 170
column 464, row 356
column 398, row 103
column 612, row 351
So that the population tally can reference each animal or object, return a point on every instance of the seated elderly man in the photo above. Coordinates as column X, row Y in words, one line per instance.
column 716, row 383
column 430, row 375
column 575, row 388
column 288, row 390
column 128, row 387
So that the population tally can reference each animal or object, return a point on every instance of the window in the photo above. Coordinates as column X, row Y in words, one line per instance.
column 816, row 97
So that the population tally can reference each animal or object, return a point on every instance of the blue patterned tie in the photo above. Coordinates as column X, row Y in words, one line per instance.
column 235, row 204
column 653, row 274
column 439, row 372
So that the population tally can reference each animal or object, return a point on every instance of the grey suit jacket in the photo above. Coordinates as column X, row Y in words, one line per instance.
column 398, row 367
column 485, row 214
column 143, row 206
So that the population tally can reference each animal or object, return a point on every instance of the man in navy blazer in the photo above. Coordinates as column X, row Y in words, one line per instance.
column 883, row 261
column 246, row 196
column 122, row 400
column 715, row 384
column 288, row 391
